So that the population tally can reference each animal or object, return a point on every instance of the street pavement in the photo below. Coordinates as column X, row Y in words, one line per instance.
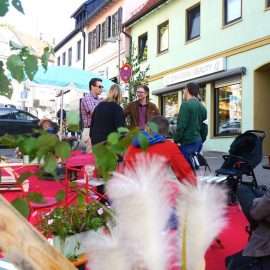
column 214, row 159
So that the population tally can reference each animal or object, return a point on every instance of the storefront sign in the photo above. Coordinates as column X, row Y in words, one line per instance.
column 204, row 69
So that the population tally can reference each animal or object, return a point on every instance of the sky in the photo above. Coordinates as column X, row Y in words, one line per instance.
column 51, row 18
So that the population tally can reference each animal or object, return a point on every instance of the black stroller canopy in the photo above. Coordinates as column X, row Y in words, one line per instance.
column 249, row 147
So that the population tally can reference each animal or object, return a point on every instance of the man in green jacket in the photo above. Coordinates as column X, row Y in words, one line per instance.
column 191, row 131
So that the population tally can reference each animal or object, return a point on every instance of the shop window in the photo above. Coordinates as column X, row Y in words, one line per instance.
column 79, row 45
column 58, row 61
column 142, row 45
column 193, row 22
column 163, row 37
column 232, row 11
column 170, row 105
column 63, row 58
column 228, row 109
column 70, row 56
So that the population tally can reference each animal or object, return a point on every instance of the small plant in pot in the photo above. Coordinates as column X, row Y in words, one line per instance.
column 67, row 226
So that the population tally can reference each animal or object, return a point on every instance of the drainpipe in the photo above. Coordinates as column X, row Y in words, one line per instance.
column 130, row 41
column 83, row 34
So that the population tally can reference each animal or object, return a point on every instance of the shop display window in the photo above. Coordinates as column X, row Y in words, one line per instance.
column 228, row 109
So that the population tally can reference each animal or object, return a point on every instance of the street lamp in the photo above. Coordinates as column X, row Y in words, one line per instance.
column 114, row 40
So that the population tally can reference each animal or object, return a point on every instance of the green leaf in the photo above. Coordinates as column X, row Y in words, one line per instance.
column 47, row 141
column 5, row 83
column 35, row 197
column 80, row 199
column 8, row 140
column 50, row 164
column 106, row 160
column 31, row 66
column 45, row 57
column 63, row 150
column 18, row 5
column 123, row 130
column 143, row 141
column 24, row 176
column 60, row 195
column 22, row 206
column 28, row 145
column 16, row 67
column 4, row 5
column 113, row 138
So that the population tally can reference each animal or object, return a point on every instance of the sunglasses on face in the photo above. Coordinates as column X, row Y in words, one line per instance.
column 140, row 92
column 100, row 86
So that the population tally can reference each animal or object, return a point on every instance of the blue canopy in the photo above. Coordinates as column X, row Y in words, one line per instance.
column 62, row 76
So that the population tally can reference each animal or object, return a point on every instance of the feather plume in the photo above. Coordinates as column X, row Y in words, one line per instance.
column 140, row 200
column 104, row 252
column 201, row 212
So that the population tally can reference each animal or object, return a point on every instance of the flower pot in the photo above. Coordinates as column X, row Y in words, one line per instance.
column 72, row 245
column 80, row 262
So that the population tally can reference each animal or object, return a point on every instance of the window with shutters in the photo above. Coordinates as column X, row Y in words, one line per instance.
column 89, row 42
column 103, row 30
column 142, row 45
column 94, row 38
column 70, row 56
column 108, row 27
column 163, row 37
column 64, row 59
column 120, row 18
column 98, row 35
column 115, row 24
column 79, row 45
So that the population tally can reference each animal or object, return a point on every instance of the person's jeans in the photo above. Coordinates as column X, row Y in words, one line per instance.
column 189, row 149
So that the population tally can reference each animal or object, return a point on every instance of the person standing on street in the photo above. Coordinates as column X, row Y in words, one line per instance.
column 142, row 110
column 190, row 129
column 87, row 106
column 108, row 116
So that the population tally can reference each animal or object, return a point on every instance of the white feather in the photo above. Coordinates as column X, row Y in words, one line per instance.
column 202, row 210
column 140, row 200
column 105, row 253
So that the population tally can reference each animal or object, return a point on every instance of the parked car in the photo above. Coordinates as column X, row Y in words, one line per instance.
column 230, row 127
column 172, row 124
column 16, row 122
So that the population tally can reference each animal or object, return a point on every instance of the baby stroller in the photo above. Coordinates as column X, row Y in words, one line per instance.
column 245, row 154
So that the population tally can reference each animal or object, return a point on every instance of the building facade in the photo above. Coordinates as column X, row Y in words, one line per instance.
column 224, row 46
column 96, row 43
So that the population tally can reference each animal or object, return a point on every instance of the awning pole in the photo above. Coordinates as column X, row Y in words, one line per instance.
column 61, row 115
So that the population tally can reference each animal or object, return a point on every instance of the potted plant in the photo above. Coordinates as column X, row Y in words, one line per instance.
column 67, row 226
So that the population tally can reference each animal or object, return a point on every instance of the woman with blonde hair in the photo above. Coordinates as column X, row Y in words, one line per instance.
column 108, row 116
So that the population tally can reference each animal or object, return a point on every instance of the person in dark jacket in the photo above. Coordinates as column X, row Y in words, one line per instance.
column 107, row 116
column 190, row 129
